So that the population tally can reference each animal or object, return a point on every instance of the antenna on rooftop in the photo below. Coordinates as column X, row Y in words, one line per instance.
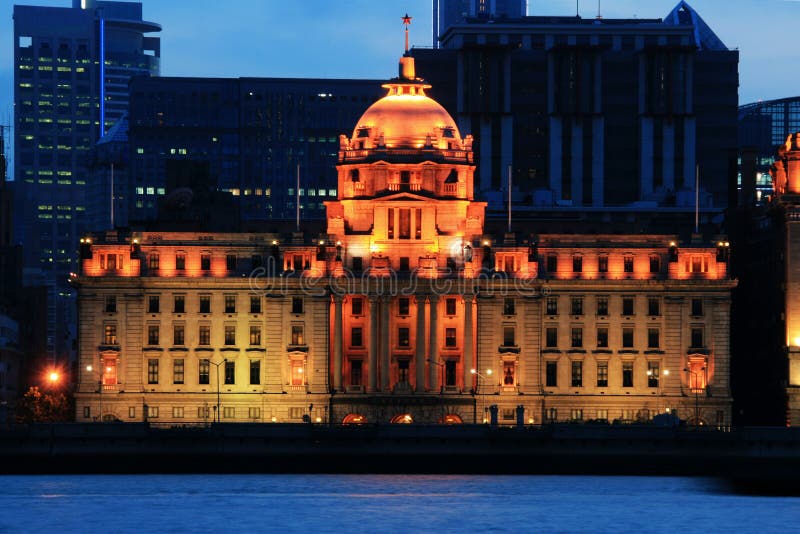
column 599, row 15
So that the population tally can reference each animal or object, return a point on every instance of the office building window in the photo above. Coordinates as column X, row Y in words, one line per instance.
column 509, row 307
column 551, row 374
column 255, row 372
column 602, row 374
column 255, row 304
column 577, row 374
column 204, row 369
column 205, row 303
column 111, row 304
column 551, row 337
column 204, row 335
column 356, row 372
column 297, row 305
column 230, row 262
column 177, row 371
column 576, row 306
column 230, row 303
column 255, row 335
column 179, row 304
column 450, row 306
column 152, row 304
column 450, row 337
column 602, row 305
column 180, row 262
column 653, row 373
column 602, row 337
column 697, row 307
column 653, row 306
column 205, row 262
column 357, row 306
column 178, row 334
column 230, row 335
column 602, row 264
column 230, row 372
column 627, row 337
column 697, row 337
column 653, row 338
column 551, row 306
column 110, row 334
column 627, row 374
column 297, row 335
column 627, row 264
column 403, row 305
column 152, row 371
column 627, row 305
column 356, row 337
column 152, row 334
column 577, row 264
column 577, row 337
column 509, row 339
column 403, row 339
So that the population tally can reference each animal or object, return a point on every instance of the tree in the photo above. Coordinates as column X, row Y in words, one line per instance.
column 38, row 407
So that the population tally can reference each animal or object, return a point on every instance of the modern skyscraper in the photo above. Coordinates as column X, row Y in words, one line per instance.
column 449, row 12
column 71, row 72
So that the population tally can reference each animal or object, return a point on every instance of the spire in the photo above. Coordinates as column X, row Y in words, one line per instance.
column 406, row 23
column 407, row 70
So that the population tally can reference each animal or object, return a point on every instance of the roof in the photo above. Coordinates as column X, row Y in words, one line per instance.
column 684, row 15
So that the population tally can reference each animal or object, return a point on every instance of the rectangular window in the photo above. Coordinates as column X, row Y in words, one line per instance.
column 450, row 307
column 297, row 335
column 152, row 304
column 402, row 372
column 153, row 262
column 418, row 224
column 509, row 370
column 152, row 334
column 551, row 374
column 576, row 306
column 602, row 305
column 697, row 307
column 111, row 304
column 255, row 335
column 627, row 337
column 179, row 304
column 697, row 337
column 203, row 412
column 405, row 264
column 110, row 334
column 297, row 373
column 577, row 264
column 577, row 374
column 152, row 371
column 653, row 306
column 255, row 372
column 552, row 415
column 152, row 412
column 178, row 336
column 551, row 337
column 405, row 224
column 203, row 369
column 602, row 415
column 230, row 303
column 254, row 412
column 450, row 373
column 602, row 374
column 577, row 337
column 204, row 335
column 177, row 412
column 551, row 263
column 205, row 262
column 230, row 372
column 230, row 262
column 509, row 337
column 180, row 262
column 112, row 262
column 653, row 373
column 358, row 264
column 655, row 264
column 602, row 337
column 230, row 335
column 403, row 339
column 255, row 304
column 229, row 412
column 576, row 414
column 627, row 374
column 450, row 337
column 653, row 335
column 205, row 303
column 509, row 307
column 356, row 372
column 390, row 223
column 357, row 306
column 403, row 304
column 627, row 306
column 552, row 306
column 177, row 371
column 356, row 337
column 602, row 264
column 297, row 305
column 627, row 263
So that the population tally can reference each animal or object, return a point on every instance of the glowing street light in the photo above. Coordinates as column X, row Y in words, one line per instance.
column 53, row 377
column 483, row 391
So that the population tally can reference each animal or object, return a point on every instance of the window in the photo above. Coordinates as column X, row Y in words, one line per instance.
column 577, row 337
column 551, row 263
column 403, row 305
column 229, row 412
column 230, row 372
column 110, row 334
column 576, row 306
column 178, row 336
column 627, row 305
column 602, row 337
column 697, row 337
column 111, row 304
column 152, row 412
column 203, row 369
column 255, row 372
column 551, row 374
column 112, row 261
column 357, row 306
column 450, row 337
column 405, row 223
column 418, row 224
column 356, row 337
column 602, row 374
column 602, row 415
column 577, row 374
column 551, row 337
column 254, row 412
column 576, row 414
column 230, row 303
column 203, row 412
column 403, row 336
column 509, row 307
column 508, row 373
column 627, row 374
column 204, row 335
column 602, row 264
column 177, row 371
column 627, row 264
column 508, row 336
column 402, row 372
column 153, row 262
column 552, row 414
column 230, row 262
column 655, row 264
column 152, row 304
column 577, row 264
column 297, row 335
column 180, row 262
column 653, row 306
column 205, row 262
column 697, row 307
column 255, row 335
column 450, row 306
column 205, row 303
column 653, row 336
column 177, row 412
column 358, row 264
column 602, row 305
column 230, row 335
column 179, row 304
column 390, row 223
column 450, row 373
column 297, row 372
column 152, row 334
column 255, row 304
column 552, row 306
column 405, row 264
column 627, row 337
column 653, row 372
column 356, row 372
column 152, row 371
column 297, row 305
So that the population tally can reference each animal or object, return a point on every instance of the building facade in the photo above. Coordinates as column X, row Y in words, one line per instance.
column 405, row 309
column 449, row 12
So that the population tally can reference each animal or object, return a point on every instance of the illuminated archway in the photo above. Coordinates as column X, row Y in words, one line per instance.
column 452, row 419
column 403, row 419
column 354, row 419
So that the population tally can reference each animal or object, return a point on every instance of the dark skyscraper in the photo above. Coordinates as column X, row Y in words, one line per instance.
column 449, row 12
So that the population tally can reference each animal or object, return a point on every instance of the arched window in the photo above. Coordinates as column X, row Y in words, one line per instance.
column 403, row 419
column 452, row 419
column 354, row 419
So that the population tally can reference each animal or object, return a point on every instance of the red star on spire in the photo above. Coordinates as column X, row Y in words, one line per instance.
column 406, row 19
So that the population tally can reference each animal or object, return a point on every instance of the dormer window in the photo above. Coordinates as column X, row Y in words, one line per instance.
column 363, row 132
column 448, row 133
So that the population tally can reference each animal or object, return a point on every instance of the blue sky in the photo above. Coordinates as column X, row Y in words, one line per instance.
column 363, row 38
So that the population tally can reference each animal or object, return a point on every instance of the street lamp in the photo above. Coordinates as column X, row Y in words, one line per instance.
column 696, row 394
column 483, row 392
column 217, row 364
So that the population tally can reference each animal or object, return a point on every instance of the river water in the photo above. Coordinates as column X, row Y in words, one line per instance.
column 369, row 503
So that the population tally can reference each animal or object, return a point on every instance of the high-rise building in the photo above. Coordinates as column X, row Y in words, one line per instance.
column 446, row 13
column 71, row 72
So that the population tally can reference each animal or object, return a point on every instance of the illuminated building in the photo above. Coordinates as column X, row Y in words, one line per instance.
column 405, row 309
column 71, row 72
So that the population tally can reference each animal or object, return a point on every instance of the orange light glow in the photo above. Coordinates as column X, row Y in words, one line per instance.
column 53, row 376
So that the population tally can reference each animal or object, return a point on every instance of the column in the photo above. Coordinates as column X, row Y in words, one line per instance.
column 337, row 343
column 373, row 343
column 435, row 366
column 467, row 359
column 420, row 337
column 384, row 348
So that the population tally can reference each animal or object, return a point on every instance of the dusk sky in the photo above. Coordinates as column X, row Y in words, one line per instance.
column 363, row 38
